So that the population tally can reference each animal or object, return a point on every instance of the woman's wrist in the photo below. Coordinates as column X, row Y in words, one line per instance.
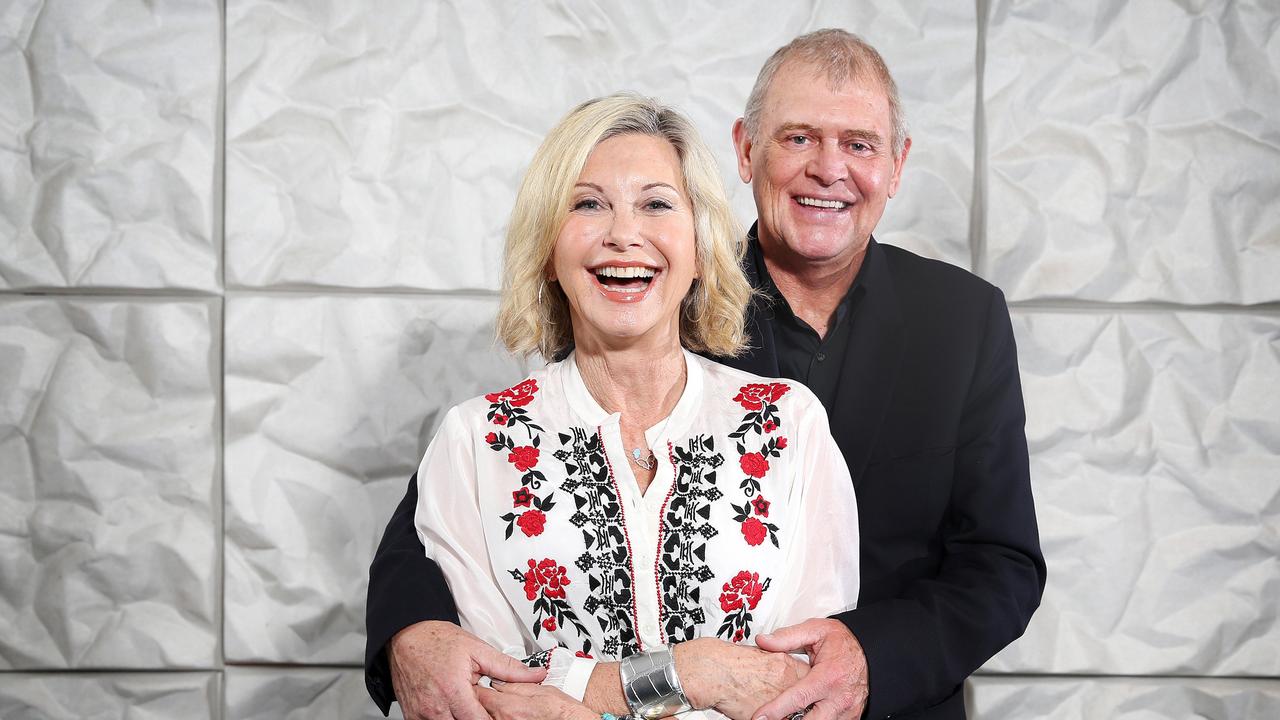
column 690, row 657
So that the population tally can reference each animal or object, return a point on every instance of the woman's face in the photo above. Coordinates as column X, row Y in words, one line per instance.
column 625, row 257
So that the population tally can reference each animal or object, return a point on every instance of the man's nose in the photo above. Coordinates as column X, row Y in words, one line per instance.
column 828, row 164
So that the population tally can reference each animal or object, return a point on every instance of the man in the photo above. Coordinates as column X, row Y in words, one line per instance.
column 916, row 365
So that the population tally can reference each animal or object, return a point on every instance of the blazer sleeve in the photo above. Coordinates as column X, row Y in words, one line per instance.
column 922, row 644
column 405, row 587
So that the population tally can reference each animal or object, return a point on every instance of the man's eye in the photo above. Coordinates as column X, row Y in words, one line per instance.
column 859, row 146
column 799, row 140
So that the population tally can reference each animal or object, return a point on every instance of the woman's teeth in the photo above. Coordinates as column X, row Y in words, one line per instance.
column 625, row 279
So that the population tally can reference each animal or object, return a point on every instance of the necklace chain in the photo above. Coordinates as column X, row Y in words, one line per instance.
column 645, row 463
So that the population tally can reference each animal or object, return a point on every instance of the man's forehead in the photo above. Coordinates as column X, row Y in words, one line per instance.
column 800, row 92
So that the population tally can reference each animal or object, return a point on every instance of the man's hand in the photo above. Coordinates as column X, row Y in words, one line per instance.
column 732, row 678
column 837, row 681
column 522, row 701
column 435, row 666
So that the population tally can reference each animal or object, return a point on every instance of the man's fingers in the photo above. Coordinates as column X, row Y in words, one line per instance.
column 800, row 695
column 468, row 706
column 504, row 667
column 791, row 638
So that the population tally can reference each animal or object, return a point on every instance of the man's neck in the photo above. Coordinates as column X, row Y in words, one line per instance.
column 812, row 290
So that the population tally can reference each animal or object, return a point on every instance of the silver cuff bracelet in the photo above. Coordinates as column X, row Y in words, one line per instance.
column 651, row 686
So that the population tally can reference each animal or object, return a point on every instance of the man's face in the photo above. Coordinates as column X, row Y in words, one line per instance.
column 821, row 165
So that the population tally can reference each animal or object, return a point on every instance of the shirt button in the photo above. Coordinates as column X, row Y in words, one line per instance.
column 821, row 357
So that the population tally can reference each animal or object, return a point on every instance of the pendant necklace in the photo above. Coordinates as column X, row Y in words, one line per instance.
column 646, row 463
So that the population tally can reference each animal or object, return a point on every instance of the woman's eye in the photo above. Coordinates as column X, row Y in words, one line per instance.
column 587, row 204
column 658, row 205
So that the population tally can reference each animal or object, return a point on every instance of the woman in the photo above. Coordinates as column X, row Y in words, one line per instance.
column 634, row 495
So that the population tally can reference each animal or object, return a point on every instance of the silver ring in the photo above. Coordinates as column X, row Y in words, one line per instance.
column 797, row 714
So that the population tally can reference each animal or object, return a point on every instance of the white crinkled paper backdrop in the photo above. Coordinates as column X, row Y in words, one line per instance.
column 249, row 254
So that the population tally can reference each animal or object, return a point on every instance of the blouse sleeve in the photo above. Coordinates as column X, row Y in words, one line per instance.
column 823, row 556
column 449, row 523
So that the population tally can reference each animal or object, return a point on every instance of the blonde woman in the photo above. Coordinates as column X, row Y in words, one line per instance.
column 633, row 514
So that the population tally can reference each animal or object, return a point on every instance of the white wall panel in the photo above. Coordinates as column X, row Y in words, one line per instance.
column 108, row 442
column 330, row 404
column 1155, row 444
column 107, row 143
column 385, row 149
column 319, row 694
column 1133, row 150
column 994, row 698
column 127, row 696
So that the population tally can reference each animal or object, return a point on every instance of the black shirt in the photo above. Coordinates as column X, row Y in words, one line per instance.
column 802, row 354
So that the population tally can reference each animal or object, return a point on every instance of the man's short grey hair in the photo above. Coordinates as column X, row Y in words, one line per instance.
column 839, row 55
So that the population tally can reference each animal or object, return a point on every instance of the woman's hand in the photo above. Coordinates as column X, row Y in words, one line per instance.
column 733, row 679
column 527, row 701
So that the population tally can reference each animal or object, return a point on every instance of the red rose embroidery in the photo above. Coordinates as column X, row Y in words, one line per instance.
column 782, row 443
column 499, row 420
column 770, row 426
column 754, row 531
column 730, row 601
column 737, row 635
column 761, row 506
column 532, row 522
column 546, row 576
column 549, row 624
column 517, row 396
column 526, row 456
column 755, row 395
column 746, row 585
column 521, row 498
column 491, row 438
column 752, row 464
column 583, row 655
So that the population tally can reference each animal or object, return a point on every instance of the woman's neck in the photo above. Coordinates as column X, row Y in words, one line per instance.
column 643, row 384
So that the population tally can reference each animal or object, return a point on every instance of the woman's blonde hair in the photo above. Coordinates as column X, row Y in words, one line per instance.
column 534, row 314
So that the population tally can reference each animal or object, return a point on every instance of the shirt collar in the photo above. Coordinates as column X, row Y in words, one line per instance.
column 869, row 274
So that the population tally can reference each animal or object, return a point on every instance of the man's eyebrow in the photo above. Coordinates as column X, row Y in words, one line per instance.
column 870, row 136
column 794, row 126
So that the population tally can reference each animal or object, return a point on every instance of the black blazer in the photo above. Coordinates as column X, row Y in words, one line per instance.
column 929, row 416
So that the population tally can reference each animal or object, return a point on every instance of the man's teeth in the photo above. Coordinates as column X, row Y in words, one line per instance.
column 829, row 204
column 625, row 272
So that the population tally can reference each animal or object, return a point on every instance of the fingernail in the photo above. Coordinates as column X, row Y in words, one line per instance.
column 497, row 682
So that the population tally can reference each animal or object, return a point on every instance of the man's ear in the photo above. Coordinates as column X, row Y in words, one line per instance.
column 742, row 148
column 898, row 162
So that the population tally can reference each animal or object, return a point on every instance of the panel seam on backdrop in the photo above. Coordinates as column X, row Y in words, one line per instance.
column 1142, row 307
column 978, row 204
column 220, row 174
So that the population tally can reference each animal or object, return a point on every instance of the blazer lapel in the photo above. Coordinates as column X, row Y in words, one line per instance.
column 872, row 360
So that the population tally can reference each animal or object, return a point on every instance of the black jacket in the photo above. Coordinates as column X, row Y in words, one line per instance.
column 929, row 416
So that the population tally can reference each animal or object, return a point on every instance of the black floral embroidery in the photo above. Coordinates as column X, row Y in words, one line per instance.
column 607, row 559
column 684, row 531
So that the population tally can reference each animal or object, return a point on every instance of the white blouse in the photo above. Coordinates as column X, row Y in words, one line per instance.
column 527, row 501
